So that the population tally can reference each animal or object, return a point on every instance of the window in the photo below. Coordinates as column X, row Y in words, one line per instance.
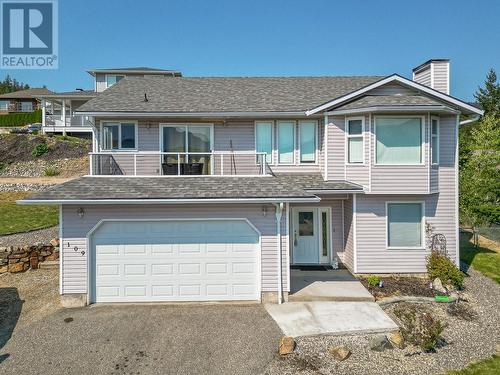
column 119, row 136
column 355, row 140
column 435, row 140
column 286, row 142
column 399, row 140
column 307, row 141
column 4, row 104
column 264, row 139
column 306, row 223
column 111, row 79
column 324, row 233
column 404, row 225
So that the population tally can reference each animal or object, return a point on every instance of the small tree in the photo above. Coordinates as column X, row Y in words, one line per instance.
column 489, row 95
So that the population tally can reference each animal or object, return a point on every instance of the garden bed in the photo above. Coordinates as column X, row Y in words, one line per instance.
column 401, row 286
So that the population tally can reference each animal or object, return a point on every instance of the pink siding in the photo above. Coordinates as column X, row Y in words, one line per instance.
column 75, row 230
column 348, row 255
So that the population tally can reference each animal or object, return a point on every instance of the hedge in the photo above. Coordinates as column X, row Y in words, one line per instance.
column 21, row 119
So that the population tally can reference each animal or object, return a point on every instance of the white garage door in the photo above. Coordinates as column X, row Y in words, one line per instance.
column 181, row 260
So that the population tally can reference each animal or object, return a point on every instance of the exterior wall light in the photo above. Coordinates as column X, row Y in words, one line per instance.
column 264, row 211
column 80, row 212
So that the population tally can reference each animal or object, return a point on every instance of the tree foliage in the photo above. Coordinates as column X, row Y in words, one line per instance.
column 480, row 160
column 11, row 84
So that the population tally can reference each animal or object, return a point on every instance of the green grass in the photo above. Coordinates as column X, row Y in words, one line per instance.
column 489, row 366
column 16, row 218
column 485, row 258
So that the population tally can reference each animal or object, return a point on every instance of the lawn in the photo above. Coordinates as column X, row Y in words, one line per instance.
column 16, row 218
column 485, row 259
column 489, row 366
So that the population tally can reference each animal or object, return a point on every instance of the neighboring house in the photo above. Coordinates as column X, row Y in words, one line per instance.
column 59, row 109
column 206, row 189
column 22, row 100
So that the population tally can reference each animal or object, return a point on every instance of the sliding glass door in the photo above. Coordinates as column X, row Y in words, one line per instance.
column 189, row 149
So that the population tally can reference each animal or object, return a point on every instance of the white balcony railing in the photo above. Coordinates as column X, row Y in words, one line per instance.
column 58, row 121
column 153, row 163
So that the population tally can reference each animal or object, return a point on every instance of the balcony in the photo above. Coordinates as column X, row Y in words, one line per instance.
column 144, row 163
column 70, row 121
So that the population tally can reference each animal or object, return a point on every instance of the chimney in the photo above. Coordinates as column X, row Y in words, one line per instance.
column 434, row 73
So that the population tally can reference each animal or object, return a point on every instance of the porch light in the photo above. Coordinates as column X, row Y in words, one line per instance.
column 264, row 211
column 80, row 212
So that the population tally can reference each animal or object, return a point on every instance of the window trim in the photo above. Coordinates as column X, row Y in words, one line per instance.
column 437, row 136
column 119, row 123
column 106, row 79
column 273, row 146
column 422, row 226
column 278, row 141
column 186, row 141
column 316, row 146
column 422, row 137
column 348, row 136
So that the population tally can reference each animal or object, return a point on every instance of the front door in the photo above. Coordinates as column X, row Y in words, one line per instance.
column 305, row 236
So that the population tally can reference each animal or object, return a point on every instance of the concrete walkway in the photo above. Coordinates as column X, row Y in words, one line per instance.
column 335, row 318
column 330, row 285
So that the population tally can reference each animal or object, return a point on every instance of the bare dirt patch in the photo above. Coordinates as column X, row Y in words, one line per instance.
column 400, row 286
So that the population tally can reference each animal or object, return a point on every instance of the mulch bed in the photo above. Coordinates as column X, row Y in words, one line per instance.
column 401, row 286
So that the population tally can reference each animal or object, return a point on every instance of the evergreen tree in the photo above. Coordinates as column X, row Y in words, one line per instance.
column 489, row 96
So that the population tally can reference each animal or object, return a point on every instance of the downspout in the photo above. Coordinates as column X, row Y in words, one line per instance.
column 279, row 213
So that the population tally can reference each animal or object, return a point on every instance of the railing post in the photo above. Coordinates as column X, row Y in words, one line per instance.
column 222, row 164
column 91, row 164
column 178, row 164
column 135, row 164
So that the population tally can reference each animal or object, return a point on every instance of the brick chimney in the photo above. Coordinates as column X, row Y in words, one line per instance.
column 434, row 73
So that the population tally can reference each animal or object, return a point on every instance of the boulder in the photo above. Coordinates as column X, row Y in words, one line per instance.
column 4, row 269
column 380, row 343
column 340, row 353
column 25, row 259
column 438, row 286
column 16, row 267
column 34, row 263
column 287, row 345
column 45, row 253
column 396, row 339
column 18, row 255
column 54, row 242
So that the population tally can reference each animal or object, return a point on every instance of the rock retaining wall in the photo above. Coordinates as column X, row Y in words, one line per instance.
column 19, row 259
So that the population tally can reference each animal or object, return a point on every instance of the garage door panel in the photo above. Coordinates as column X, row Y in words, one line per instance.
column 202, row 261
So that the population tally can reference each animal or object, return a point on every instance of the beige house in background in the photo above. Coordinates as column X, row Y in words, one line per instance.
column 214, row 189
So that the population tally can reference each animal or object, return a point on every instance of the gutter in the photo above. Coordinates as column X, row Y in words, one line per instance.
column 168, row 201
column 470, row 121
column 193, row 114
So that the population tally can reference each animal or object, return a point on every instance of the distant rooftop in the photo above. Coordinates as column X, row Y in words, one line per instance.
column 137, row 70
column 27, row 94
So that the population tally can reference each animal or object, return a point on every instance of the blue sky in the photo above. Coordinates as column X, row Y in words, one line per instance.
column 274, row 38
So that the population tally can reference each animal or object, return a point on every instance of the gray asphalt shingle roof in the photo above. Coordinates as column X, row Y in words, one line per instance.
column 389, row 100
column 26, row 94
column 222, row 94
column 201, row 187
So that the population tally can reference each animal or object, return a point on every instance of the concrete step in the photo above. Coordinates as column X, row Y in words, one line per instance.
column 49, row 264
column 344, row 291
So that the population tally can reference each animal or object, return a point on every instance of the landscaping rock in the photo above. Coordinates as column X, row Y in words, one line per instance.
column 287, row 345
column 16, row 267
column 4, row 269
column 340, row 353
column 396, row 339
column 438, row 286
column 380, row 343
column 54, row 242
column 34, row 263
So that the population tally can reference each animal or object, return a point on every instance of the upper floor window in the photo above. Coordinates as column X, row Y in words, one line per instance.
column 286, row 142
column 405, row 227
column 119, row 136
column 308, row 141
column 398, row 140
column 264, row 139
column 111, row 79
column 355, row 140
column 435, row 140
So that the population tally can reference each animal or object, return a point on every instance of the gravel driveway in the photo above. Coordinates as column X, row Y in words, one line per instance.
column 144, row 339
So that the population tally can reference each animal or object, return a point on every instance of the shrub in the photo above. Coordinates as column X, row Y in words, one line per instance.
column 373, row 280
column 51, row 171
column 21, row 118
column 440, row 266
column 40, row 149
column 419, row 327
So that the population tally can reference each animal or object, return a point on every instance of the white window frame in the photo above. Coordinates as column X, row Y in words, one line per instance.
column 422, row 137
column 278, row 138
column 106, row 79
column 273, row 138
column 349, row 136
column 422, row 225
column 186, row 140
column 432, row 135
column 119, row 123
column 316, row 148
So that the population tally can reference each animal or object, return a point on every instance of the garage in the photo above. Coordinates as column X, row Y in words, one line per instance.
column 175, row 260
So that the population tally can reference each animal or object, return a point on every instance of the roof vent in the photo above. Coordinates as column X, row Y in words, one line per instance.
column 434, row 73
column 78, row 89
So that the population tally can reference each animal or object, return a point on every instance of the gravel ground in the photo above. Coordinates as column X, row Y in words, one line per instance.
column 36, row 168
column 29, row 238
column 468, row 341
column 25, row 186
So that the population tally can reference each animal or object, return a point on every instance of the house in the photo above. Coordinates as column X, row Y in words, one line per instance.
column 59, row 109
column 205, row 188
column 22, row 100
